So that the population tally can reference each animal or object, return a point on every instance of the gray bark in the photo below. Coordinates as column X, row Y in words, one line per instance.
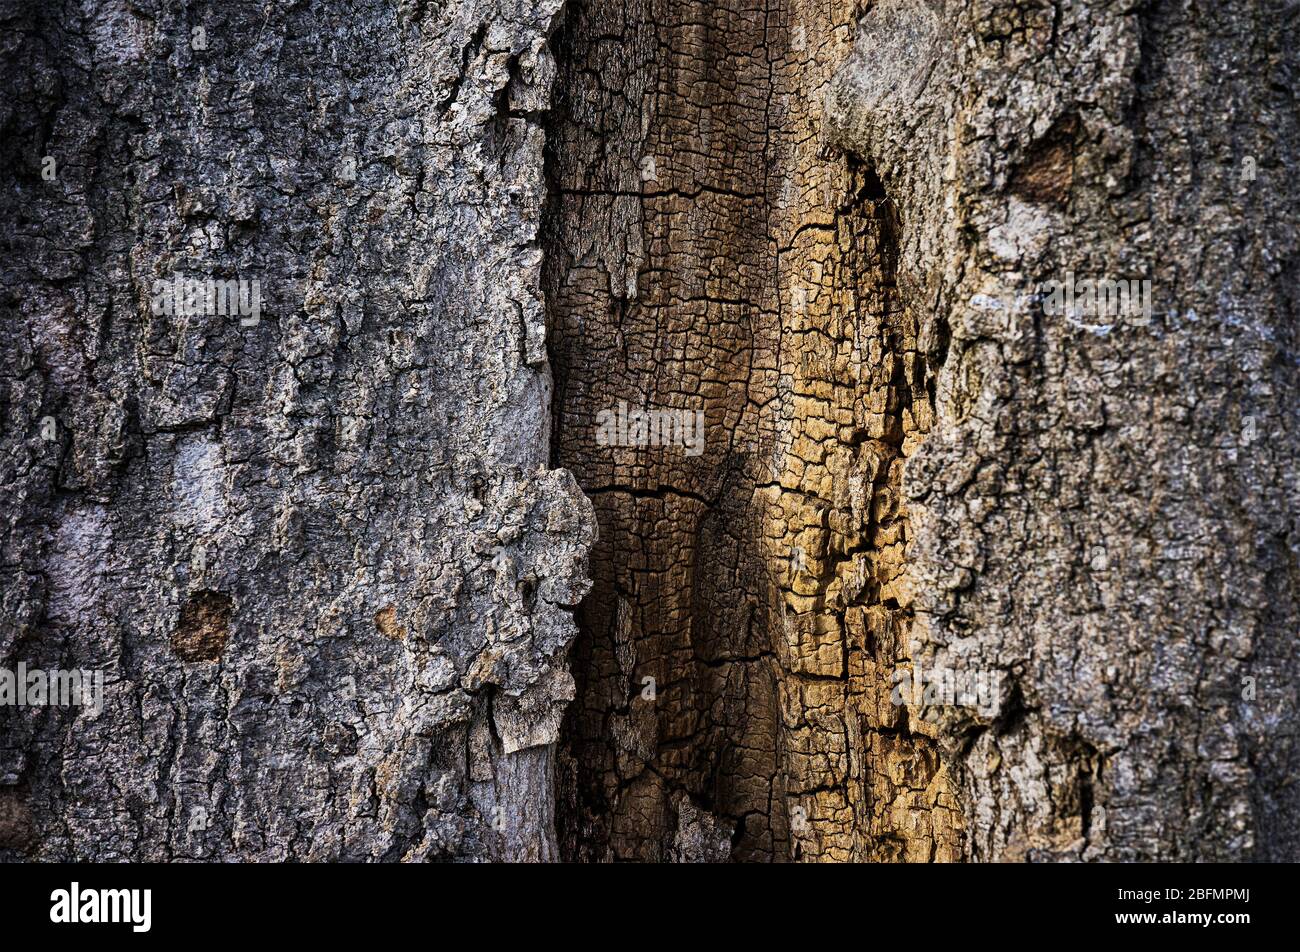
column 319, row 559
column 1105, row 514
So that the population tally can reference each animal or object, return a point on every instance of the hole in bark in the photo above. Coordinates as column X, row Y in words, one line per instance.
column 16, row 826
column 527, row 589
column 1047, row 173
column 203, row 627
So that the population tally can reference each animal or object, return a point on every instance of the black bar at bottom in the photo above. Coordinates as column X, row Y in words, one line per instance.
column 929, row 903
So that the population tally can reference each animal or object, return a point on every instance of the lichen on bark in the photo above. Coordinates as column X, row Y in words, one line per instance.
column 320, row 557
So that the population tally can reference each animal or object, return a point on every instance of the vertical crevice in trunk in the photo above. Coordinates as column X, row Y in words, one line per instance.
column 706, row 251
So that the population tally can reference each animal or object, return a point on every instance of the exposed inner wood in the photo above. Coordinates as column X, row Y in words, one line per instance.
column 707, row 252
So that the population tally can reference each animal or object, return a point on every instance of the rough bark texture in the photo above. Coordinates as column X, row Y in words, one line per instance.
column 329, row 562
column 320, row 558
column 708, row 252
column 1103, row 511
column 836, row 255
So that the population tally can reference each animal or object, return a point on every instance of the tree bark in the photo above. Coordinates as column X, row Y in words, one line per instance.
column 350, row 496
column 957, row 572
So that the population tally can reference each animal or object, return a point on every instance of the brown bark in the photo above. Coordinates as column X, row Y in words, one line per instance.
column 710, row 253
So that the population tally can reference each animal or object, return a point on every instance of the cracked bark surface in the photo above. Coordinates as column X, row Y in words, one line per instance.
column 330, row 563
column 710, row 253
column 909, row 463
column 1106, row 515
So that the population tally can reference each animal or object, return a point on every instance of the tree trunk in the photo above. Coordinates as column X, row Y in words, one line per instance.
column 319, row 558
column 964, row 563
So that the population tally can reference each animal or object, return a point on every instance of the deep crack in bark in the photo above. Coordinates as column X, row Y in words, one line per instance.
column 706, row 251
